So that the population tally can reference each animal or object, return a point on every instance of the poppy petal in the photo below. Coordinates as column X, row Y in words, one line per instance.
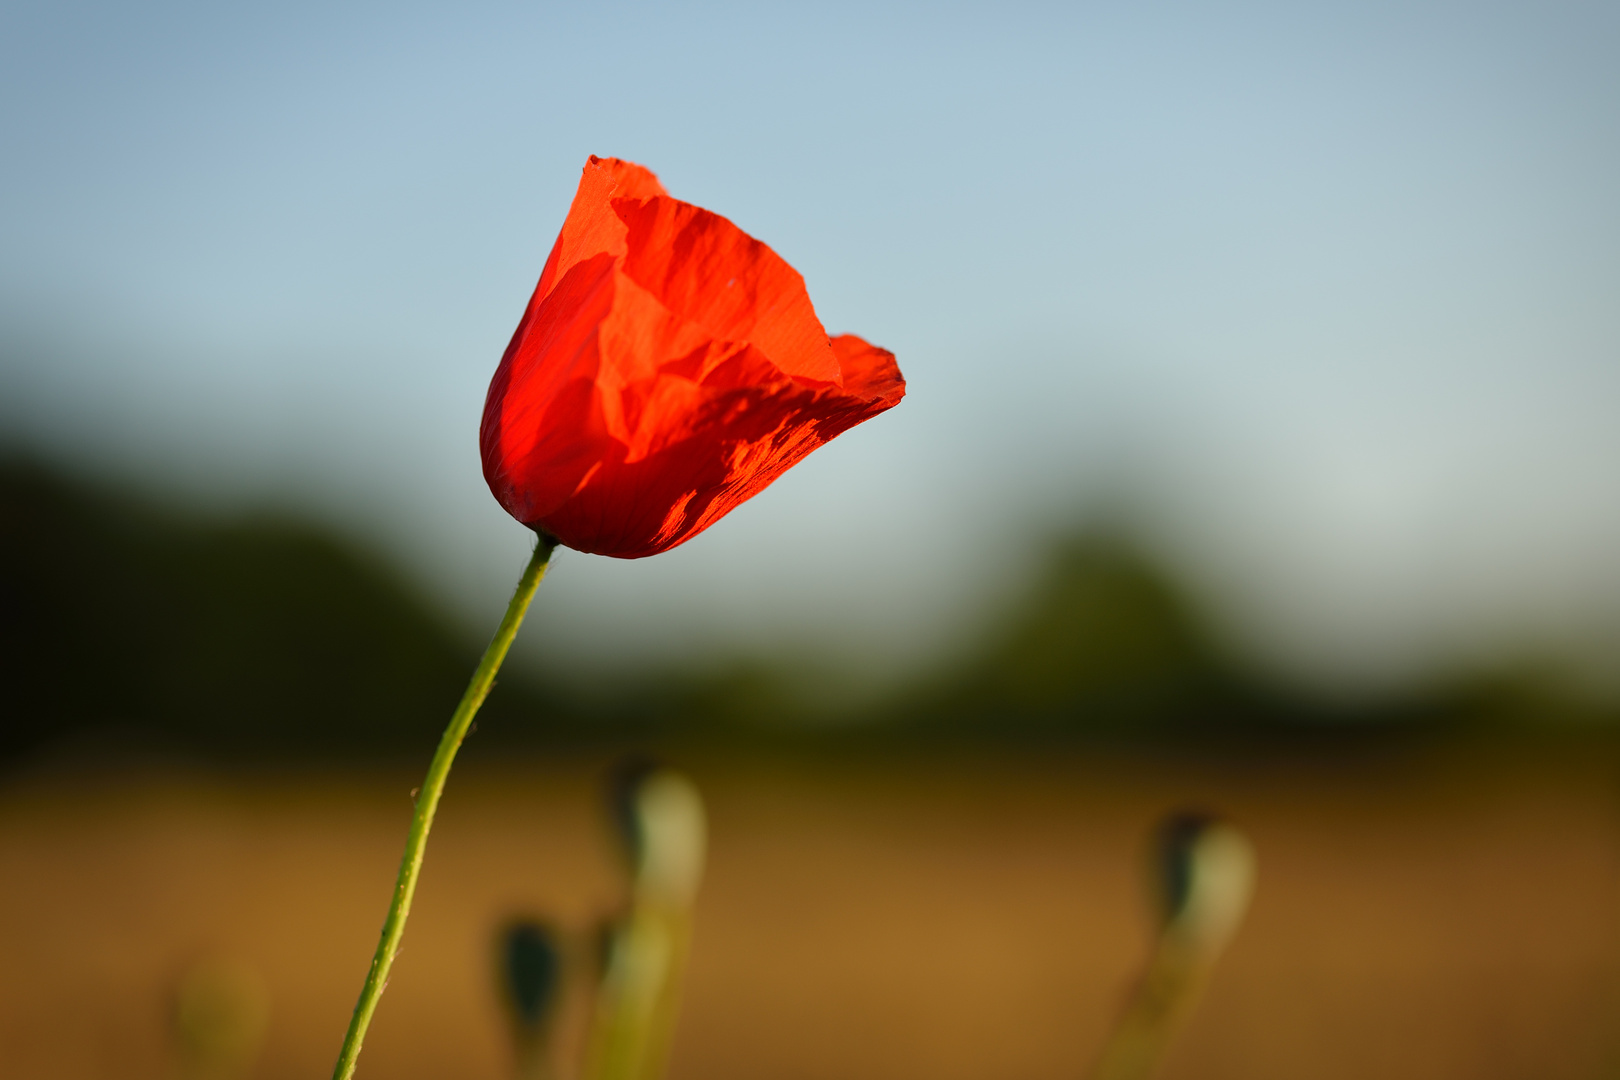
column 668, row 367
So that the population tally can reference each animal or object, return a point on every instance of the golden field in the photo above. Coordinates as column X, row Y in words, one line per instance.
column 1448, row 913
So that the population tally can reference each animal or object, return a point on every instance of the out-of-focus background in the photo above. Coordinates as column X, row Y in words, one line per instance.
column 1262, row 453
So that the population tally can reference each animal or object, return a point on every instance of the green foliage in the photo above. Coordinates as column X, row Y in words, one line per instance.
column 1103, row 633
column 270, row 636
column 1101, row 643
column 262, row 635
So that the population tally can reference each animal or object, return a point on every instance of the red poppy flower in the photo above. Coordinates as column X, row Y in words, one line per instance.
column 668, row 367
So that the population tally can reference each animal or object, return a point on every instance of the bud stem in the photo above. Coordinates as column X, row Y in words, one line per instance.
column 427, row 804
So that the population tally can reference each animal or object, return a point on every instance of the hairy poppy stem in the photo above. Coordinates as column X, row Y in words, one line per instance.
column 427, row 804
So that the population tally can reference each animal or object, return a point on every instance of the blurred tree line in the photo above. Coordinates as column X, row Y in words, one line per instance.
column 127, row 622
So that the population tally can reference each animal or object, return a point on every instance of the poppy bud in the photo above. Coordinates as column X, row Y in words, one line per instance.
column 669, row 367
column 1205, row 877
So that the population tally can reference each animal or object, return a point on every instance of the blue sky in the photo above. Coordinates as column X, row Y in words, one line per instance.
column 1325, row 299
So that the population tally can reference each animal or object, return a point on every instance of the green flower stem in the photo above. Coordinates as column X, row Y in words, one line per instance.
column 427, row 804
column 1169, row 989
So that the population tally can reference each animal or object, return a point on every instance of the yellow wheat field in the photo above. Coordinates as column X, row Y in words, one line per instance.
column 952, row 917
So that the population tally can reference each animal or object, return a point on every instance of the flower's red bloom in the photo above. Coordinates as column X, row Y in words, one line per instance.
column 669, row 366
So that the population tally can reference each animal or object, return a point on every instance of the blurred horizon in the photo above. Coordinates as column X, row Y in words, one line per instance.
column 137, row 626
